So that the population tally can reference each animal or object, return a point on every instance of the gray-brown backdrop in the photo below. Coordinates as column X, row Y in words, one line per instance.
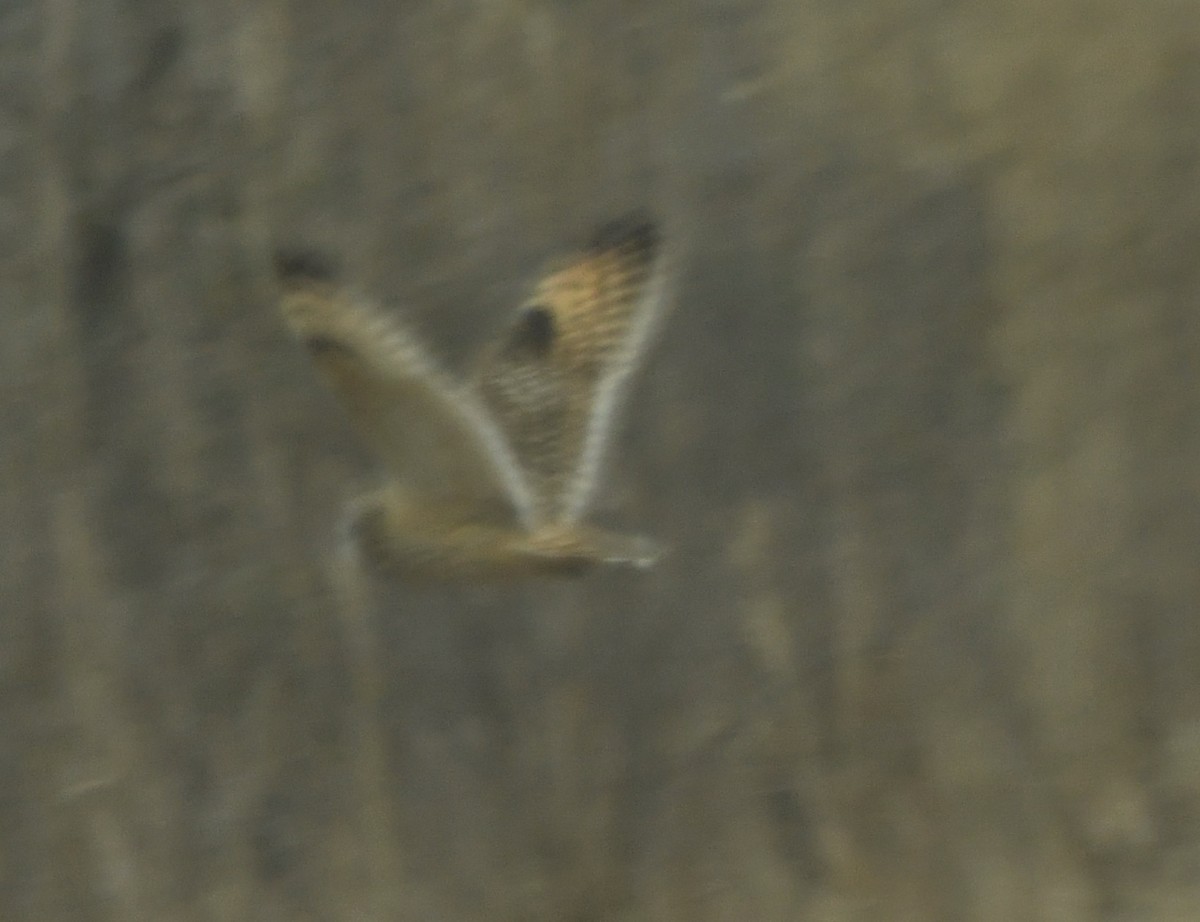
column 923, row 434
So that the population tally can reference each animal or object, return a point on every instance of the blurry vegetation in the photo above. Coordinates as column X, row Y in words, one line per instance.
column 923, row 433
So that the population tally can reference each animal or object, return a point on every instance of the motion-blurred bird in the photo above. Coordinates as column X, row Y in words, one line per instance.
column 490, row 477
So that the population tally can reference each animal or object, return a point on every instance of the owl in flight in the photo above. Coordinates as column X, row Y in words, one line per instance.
column 490, row 477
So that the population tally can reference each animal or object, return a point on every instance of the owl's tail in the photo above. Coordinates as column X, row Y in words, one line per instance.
column 421, row 543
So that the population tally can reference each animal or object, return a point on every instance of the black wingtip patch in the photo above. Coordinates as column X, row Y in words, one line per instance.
column 299, row 267
column 635, row 234
column 321, row 346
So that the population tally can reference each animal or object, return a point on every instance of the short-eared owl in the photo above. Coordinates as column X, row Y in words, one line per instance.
column 490, row 477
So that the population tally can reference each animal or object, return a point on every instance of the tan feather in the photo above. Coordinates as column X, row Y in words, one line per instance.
column 490, row 479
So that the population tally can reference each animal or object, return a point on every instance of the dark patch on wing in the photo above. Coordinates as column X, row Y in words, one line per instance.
column 297, row 267
column 633, row 236
column 534, row 333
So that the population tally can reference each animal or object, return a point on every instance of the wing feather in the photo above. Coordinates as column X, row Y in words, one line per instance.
column 431, row 432
column 555, row 379
column 610, row 392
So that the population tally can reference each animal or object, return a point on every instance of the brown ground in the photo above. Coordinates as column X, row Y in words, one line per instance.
column 924, row 435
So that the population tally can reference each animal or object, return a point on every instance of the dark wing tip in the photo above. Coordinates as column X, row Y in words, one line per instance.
column 635, row 234
column 300, row 267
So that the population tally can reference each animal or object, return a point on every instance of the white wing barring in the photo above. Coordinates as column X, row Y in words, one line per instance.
column 490, row 477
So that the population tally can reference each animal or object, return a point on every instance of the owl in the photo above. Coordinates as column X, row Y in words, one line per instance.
column 489, row 475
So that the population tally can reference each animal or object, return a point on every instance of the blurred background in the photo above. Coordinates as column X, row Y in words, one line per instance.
column 922, row 433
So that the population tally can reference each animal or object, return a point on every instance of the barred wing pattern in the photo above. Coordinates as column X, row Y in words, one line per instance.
column 430, row 432
column 555, row 379
column 489, row 479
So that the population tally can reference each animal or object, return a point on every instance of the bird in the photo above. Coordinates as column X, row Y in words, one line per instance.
column 488, row 475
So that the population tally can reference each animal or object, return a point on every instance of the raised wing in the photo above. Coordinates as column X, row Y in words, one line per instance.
column 431, row 433
column 554, row 380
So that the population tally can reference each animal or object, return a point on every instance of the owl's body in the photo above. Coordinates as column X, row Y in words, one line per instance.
column 489, row 477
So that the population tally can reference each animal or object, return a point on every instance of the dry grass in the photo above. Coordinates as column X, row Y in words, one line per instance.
column 922, row 434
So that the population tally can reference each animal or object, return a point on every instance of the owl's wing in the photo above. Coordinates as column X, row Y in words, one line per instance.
column 432, row 433
column 554, row 380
